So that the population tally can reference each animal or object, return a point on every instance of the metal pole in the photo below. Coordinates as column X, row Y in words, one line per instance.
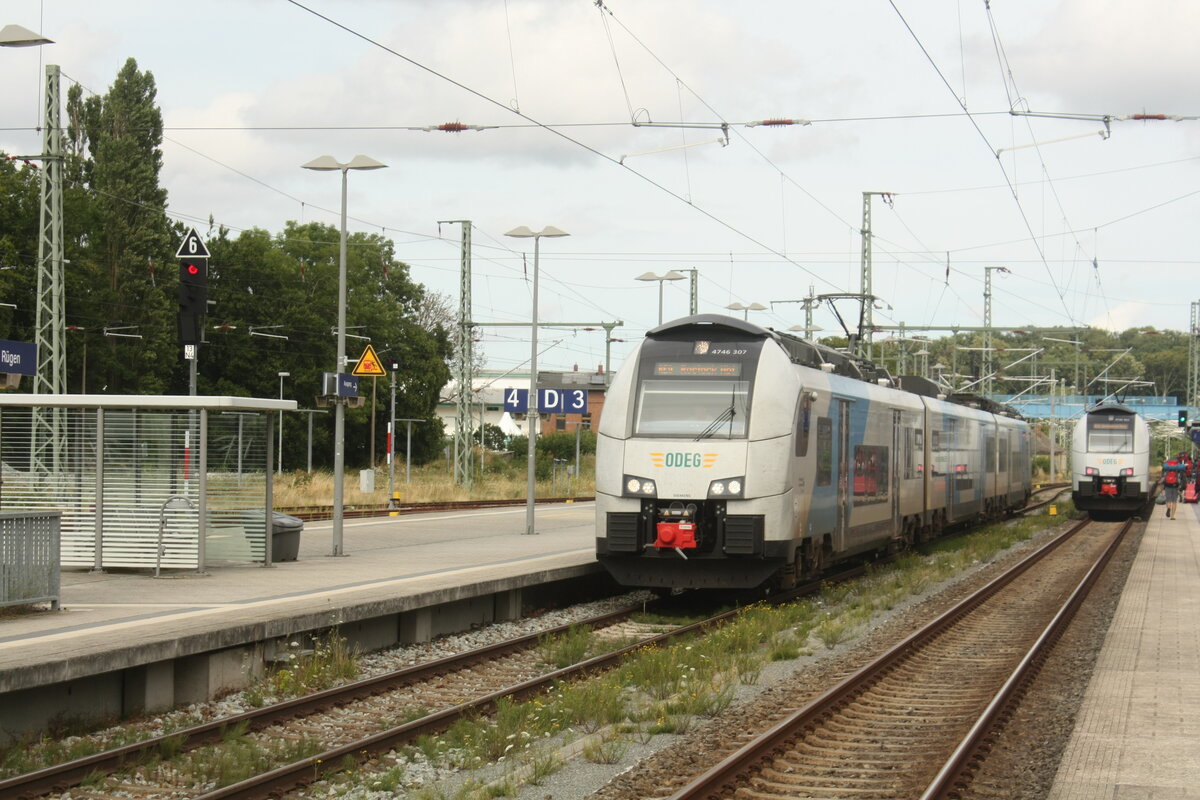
column 660, row 298
column 408, row 454
column 310, row 416
column 269, row 498
column 98, row 546
column 339, row 416
column 392, row 446
column 279, row 453
column 202, row 494
column 578, row 435
column 532, row 415
column 1053, row 391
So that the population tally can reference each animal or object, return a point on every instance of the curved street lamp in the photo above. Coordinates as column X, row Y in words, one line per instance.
column 746, row 309
column 672, row 275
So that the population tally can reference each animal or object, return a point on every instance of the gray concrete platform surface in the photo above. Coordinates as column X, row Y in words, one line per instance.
column 1136, row 736
column 125, row 641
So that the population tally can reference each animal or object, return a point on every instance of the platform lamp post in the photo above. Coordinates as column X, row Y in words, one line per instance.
column 746, row 309
column 279, row 452
column 329, row 164
column 523, row 232
column 672, row 275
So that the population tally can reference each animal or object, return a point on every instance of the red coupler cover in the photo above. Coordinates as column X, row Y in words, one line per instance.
column 676, row 534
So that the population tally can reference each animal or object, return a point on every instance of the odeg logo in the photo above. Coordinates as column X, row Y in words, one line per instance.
column 684, row 460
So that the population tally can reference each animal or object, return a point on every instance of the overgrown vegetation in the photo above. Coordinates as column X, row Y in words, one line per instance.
column 329, row 663
column 661, row 690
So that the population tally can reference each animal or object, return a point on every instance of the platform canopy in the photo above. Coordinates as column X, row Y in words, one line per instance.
column 158, row 402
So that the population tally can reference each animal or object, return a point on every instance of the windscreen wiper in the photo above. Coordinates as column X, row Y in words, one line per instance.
column 725, row 416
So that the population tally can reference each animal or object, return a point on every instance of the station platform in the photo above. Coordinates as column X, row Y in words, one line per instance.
column 1136, row 732
column 126, row 642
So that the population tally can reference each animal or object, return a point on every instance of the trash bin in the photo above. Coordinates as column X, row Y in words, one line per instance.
column 285, row 536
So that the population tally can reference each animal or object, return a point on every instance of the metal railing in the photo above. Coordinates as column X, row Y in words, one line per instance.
column 29, row 558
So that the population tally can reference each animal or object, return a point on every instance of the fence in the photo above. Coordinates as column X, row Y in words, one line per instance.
column 29, row 558
column 117, row 466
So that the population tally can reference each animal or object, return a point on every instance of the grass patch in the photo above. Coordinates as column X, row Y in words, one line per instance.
column 605, row 750
column 568, row 648
column 330, row 663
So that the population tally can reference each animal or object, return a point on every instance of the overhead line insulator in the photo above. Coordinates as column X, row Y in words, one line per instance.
column 778, row 121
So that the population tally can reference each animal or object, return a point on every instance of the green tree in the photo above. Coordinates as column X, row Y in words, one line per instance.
column 286, row 288
column 19, row 193
column 118, row 238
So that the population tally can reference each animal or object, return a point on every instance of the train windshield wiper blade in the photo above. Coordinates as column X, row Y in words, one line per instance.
column 725, row 416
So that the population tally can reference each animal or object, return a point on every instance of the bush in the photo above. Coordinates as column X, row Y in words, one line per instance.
column 560, row 444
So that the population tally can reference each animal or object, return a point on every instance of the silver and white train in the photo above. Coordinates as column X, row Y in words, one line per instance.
column 730, row 456
column 1110, row 461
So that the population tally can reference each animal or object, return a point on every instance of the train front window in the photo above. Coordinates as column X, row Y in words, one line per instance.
column 717, row 409
column 1110, row 433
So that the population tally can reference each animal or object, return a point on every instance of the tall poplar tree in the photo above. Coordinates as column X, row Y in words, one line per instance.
column 121, row 275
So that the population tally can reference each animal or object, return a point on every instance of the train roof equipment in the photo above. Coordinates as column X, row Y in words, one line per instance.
column 828, row 359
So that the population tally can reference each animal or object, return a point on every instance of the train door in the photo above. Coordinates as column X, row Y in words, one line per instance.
column 843, row 480
column 894, row 475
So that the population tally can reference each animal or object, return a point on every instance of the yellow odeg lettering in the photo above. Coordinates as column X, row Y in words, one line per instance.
column 684, row 460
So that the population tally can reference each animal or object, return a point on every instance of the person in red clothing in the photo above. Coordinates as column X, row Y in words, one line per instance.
column 1173, row 477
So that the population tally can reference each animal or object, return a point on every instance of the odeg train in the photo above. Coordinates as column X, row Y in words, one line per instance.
column 1110, row 461
column 733, row 456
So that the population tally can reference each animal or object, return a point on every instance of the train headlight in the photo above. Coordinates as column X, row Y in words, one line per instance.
column 1127, row 472
column 1090, row 471
column 639, row 487
column 727, row 487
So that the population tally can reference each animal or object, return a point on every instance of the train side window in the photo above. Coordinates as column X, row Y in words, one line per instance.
column 1004, row 446
column 824, row 451
column 989, row 453
column 909, row 435
column 803, row 423
column 870, row 483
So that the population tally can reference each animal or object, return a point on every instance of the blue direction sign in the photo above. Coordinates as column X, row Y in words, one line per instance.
column 18, row 358
column 347, row 385
column 557, row 401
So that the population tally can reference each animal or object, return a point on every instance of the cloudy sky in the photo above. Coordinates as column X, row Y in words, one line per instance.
column 606, row 122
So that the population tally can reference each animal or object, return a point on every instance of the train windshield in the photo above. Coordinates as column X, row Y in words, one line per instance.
column 695, row 388
column 701, row 409
column 1110, row 433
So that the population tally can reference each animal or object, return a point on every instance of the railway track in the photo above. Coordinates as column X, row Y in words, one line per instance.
column 913, row 723
column 344, row 722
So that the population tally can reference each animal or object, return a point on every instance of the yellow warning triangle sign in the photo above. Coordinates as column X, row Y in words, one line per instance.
column 368, row 365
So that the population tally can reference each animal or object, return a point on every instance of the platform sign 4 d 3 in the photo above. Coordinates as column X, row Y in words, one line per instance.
column 550, row 401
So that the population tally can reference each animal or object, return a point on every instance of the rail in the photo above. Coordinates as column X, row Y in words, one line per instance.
column 724, row 777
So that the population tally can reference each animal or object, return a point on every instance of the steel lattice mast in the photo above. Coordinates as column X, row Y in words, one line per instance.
column 48, row 438
column 465, row 379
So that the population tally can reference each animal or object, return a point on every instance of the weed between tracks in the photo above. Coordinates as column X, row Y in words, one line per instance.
column 664, row 690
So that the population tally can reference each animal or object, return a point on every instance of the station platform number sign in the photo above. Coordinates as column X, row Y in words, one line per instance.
column 550, row 401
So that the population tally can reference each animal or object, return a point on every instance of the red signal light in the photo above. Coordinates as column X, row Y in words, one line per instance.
column 192, row 269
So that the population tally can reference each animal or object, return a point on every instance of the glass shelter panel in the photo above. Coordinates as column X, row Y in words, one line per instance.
column 140, row 500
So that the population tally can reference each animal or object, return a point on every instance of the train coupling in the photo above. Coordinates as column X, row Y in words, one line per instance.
column 676, row 529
